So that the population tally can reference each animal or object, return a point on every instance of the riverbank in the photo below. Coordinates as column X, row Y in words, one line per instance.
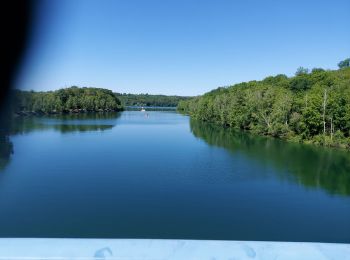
column 317, row 142
column 311, row 108
column 84, row 111
column 71, row 111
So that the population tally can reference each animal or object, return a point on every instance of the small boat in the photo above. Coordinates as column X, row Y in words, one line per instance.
column 143, row 110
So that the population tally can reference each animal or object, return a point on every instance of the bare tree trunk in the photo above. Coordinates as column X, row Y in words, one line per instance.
column 324, row 111
column 332, row 128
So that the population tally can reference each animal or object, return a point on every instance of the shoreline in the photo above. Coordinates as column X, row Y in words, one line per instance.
column 307, row 142
column 72, row 111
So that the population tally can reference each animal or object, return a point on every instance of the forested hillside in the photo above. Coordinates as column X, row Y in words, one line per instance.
column 75, row 99
column 71, row 99
column 311, row 107
column 149, row 100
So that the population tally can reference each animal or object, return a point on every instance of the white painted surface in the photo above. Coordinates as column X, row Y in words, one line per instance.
column 41, row 248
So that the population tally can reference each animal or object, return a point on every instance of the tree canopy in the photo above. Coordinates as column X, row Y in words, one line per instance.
column 149, row 100
column 75, row 99
column 344, row 64
column 71, row 99
column 309, row 107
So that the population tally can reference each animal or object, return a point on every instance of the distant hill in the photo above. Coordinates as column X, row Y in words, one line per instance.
column 75, row 99
column 149, row 100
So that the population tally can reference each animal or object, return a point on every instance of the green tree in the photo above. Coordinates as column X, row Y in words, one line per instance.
column 301, row 71
column 344, row 64
column 309, row 107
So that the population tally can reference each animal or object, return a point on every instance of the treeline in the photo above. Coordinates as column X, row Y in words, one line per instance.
column 149, row 100
column 311, row 107
column 71, row 99
column 75, row 99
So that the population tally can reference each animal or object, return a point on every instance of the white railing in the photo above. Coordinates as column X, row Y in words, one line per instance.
column 105, row 249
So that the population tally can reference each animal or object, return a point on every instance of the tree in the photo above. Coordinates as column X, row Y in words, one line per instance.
column 309, row 107
column 316, row 70
column 65, row 100
column 300, row 83
column 301, row 71
column 344, row 64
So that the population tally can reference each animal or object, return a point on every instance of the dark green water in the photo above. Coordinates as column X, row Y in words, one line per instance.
column 161, row 175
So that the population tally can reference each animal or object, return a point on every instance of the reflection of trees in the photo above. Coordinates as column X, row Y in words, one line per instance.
column 63, row 123
column 26, row 126
column 6, row 149
column 6, row 146
column 328, row 169
column 84, row 116
column 81, row 128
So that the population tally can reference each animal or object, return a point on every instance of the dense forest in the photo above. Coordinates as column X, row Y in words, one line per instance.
column 149, row 100
column 75, row 99
column 311, row 107
column 71, row 99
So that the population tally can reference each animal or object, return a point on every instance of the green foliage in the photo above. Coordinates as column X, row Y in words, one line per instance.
column 310, row 107
column 301, row 71
column 71, row 99
column 149, row 100
column 315, row 70
column 344, row 64
column 300, row 82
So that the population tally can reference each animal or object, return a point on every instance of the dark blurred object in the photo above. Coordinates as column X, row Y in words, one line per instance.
column 16, row 20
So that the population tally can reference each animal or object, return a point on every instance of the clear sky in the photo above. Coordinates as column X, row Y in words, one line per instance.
column 182, row 47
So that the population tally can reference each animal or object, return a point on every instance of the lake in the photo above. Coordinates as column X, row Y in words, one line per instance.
column 161, row 175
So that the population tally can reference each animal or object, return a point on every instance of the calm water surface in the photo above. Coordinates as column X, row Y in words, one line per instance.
column 162, row 175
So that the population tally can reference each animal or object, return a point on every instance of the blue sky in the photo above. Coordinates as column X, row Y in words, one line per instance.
column 181, row 47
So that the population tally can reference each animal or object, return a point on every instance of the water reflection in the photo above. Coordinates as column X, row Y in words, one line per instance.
column 310, row 166
column 6, row 149
column 87, row 116
column 66, row 123
column 6, row 146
